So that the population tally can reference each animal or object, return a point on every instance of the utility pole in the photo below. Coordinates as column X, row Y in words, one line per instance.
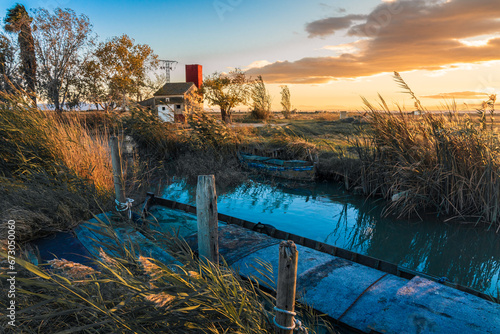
column 167, row 65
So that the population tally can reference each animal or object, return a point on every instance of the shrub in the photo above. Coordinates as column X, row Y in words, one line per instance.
column 154, row 137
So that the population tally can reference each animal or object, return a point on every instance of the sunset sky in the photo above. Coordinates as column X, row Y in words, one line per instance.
column 329, row 52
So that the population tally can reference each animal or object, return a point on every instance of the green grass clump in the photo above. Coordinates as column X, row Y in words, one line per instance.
column 155, row 138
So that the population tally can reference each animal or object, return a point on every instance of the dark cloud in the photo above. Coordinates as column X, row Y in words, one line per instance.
column 459, row 95
column 400, row 36
column 330, row 7
column 328, row 26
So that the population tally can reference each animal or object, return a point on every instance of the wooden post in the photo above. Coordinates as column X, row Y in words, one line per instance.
column 287, row 281
column 117, row 169
column 206, row 209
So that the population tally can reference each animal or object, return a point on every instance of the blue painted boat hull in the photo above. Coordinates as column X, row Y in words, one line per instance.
column 287, row 169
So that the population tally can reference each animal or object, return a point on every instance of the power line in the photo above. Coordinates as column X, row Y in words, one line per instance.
column 167, row 65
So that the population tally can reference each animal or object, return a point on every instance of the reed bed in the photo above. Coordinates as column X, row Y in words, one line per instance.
column 445, row 163
column 207, row 146
column 31, row 138
column 54, row 170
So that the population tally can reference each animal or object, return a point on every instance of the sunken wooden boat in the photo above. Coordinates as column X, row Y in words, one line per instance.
column 298, row 170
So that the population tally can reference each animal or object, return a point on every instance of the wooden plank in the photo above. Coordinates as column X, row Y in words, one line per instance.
column 287, row 282
column 117, row 169
column 206, row 204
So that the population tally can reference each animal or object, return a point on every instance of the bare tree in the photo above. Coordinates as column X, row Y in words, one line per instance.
column 61, row 40
column 152, row 83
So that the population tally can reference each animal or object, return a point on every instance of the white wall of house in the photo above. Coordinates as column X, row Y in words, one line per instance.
column 166, row 113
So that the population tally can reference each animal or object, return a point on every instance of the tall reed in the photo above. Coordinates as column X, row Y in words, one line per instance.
column 53, row 170
column 31, row 137
column 438, row 163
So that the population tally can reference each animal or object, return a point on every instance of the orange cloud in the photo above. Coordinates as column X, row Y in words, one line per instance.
column 459, row 95
column 402, row 35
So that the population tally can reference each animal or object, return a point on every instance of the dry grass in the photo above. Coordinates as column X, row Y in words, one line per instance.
column 54, row 169
column 44, row 203
column 88, row 155
column 32, row 138
column 436, row 163
column 135, row 294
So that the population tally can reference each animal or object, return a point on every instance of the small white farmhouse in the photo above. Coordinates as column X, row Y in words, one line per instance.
column 175, row 100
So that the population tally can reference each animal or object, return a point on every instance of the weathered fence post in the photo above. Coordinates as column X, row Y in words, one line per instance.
column 206, row 209
column 123, row 204
column 287, row 281
column 117, row 170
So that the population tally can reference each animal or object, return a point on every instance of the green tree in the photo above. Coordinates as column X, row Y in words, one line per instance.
column 226, row 91
column 261, row 105
column 286, row 103
column 118, row 71
column 61, row 40
column 18, row 21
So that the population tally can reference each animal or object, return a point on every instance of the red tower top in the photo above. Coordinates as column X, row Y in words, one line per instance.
column 194, row 74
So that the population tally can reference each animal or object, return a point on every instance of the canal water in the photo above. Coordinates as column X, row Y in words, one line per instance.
column 463, row 254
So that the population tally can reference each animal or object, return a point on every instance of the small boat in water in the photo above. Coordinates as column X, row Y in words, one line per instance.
column 299, row 170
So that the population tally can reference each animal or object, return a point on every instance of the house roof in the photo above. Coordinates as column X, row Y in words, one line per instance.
column 146, row 103
column 174, row 88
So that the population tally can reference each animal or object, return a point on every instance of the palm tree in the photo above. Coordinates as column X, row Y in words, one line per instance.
column 5, row 54
column 18, row 21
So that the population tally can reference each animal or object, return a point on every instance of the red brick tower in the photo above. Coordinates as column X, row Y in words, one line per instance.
column 194, row 73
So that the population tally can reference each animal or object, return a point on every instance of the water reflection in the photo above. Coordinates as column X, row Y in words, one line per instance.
column 323, row 212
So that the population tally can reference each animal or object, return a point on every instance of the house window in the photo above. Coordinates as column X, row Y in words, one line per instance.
column 178, row 106
column 163, row 108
